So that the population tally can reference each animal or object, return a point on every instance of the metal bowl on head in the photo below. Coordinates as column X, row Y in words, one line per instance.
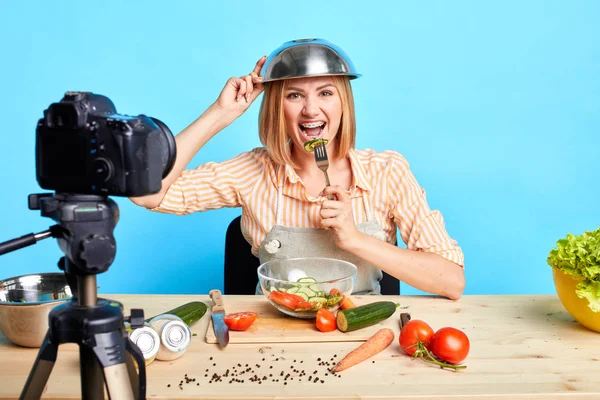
column 26, row 301
column 299, row 287
column 307, row 57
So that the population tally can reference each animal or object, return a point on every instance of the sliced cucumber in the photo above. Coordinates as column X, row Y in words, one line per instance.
column 333, row 300
column 310, row 145
column 308, row 279
column 303, row 295
column 322, row 300
column 307, row 291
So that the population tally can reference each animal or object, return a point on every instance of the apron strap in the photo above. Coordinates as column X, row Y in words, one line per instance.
column 278, row 209
column 367, row 207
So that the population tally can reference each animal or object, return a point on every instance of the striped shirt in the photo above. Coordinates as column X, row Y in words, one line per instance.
column 250, row 181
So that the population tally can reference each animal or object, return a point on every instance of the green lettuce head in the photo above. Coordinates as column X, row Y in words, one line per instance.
column 579, row 256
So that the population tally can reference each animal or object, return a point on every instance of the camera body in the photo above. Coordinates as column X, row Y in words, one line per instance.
column 83, row 146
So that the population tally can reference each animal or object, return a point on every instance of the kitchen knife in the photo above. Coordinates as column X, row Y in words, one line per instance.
column 218, row 312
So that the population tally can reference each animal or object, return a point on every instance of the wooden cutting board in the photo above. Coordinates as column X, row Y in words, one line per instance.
column 272, row 326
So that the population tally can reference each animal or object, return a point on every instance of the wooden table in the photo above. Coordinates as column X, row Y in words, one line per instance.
column 522, row 347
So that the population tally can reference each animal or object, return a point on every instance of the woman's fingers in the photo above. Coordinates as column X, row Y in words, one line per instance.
column 330, row 223
column 249, row 87
column 329, row 213
column 259, row 64
column 255, row 78
column 332, row 204
column 336, row 191
column 241, row 89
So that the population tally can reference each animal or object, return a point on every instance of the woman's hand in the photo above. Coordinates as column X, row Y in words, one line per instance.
column 239, row 93
column 337, row 216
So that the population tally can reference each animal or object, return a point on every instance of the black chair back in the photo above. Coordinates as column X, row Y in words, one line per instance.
column 240, row 265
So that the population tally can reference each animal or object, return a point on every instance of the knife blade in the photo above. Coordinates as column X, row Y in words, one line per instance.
column 218, row 312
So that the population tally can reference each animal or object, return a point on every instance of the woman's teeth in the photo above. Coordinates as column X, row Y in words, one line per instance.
column 312, row 129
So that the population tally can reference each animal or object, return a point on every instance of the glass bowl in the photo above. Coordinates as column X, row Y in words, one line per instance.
column 299, row 287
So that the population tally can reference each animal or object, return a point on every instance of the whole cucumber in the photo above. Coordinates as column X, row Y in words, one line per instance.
column 188, row 312
column 365, row 315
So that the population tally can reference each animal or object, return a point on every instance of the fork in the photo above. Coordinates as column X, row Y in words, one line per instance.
column 322, row 162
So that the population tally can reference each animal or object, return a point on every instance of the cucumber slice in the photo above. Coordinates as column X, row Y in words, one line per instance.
column 293, row 289
column 307, row 291
column 321, row 300
column 308, row 279
column 310, row 145
column 333, row 300
column 303, row 295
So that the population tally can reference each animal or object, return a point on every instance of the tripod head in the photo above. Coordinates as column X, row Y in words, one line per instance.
column 85, row 229
column 84, row 233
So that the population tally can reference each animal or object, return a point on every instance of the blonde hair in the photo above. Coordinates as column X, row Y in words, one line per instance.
column 272, row 129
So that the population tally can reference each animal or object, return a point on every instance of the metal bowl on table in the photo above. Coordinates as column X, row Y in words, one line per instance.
column 299, row 287
column 26, row 301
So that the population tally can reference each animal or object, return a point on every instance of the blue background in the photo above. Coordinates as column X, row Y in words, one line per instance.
column 496, row 105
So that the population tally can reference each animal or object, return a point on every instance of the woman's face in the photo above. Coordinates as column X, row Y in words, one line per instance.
column 312, row 109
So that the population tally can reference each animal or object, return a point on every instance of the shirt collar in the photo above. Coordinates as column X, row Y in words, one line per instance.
column 358, row 172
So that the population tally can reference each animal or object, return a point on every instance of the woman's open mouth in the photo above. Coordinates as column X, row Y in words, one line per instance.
column 312, row 130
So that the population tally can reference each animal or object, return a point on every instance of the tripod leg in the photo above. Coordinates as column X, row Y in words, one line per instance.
column 107, row 351
column 118, row 383
column 133, row 375
column 92, row 380
column 41, row 370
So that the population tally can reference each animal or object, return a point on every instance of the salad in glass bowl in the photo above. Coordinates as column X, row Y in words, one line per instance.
column 299, row 287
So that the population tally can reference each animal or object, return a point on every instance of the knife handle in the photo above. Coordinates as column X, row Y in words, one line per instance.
column 216, row 297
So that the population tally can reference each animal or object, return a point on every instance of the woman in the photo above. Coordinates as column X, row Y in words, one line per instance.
column 287, row 209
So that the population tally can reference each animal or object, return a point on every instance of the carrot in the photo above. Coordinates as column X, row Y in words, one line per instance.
column 347, row 303
column 375, row 344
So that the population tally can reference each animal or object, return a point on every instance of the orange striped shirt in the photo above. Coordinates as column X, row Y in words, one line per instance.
column 250, row 181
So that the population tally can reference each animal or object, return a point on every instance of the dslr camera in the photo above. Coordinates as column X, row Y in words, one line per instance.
column 83, row 146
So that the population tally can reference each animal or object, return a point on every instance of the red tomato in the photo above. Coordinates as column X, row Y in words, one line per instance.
column 289, row 300
column 450, row 344
column 240, row 321
column 415, row 330
column 347, row 304
column 326, row 321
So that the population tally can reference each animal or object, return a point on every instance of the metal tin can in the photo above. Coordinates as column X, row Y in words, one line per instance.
column 174, row 335
column 147, row 340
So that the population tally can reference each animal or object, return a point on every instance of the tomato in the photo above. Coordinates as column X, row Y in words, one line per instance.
column 413, row 331
column 334, row 291
column 347, row 303
column 450, row 344
column 326, row 321
column 289, row 300
column 240, row 321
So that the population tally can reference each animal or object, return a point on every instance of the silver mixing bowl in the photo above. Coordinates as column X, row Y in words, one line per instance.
column 26, row 301
column 307, row 57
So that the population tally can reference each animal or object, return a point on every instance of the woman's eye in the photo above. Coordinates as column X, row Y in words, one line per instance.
column 293, row 96
column 327, row 93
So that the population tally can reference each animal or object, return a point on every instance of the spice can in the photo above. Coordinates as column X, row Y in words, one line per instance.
column 147, row 340
column 174, row 335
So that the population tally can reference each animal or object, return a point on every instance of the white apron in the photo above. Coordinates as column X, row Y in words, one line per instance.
column 291, row 242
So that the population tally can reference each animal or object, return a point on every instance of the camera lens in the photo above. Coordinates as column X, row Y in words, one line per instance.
column 102, row 170
column 168, row 147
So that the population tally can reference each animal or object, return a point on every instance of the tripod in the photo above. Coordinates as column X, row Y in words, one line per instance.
column 84, row 233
